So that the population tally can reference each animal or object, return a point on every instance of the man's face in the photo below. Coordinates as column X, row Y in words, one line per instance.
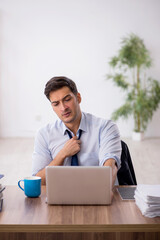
column 65, row 104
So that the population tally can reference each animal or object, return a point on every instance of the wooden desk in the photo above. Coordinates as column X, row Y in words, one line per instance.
column 31, row 218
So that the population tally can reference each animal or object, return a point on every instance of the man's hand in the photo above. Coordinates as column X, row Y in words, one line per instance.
column 71, row 147
column 111, row 163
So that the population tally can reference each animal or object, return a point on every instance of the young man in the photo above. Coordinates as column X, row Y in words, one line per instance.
column 55, row 144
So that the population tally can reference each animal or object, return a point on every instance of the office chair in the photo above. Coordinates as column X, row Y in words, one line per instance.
column 126, row 175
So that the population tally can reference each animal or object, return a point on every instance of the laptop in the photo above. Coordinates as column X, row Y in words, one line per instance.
column 77, row 185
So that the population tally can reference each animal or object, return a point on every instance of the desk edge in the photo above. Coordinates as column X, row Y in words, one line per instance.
column 80, row 228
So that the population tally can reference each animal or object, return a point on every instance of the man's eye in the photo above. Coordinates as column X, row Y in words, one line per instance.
column 54, row 104
column 67, row 99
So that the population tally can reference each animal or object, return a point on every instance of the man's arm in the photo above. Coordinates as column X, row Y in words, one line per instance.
column 112, row 163
column 71, row 147
column 110, row 148
column 57, row 161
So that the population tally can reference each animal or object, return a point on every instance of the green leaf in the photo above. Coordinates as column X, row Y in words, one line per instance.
column 119, row 80
column 114, row 61
column 124, row 111
column 134, row 53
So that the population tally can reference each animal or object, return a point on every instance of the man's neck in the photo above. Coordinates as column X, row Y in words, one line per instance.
column 73, row 126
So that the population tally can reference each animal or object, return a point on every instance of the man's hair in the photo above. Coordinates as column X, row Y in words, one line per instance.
column 57, row 83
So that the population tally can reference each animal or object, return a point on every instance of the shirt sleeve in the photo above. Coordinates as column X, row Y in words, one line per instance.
column 110, row 144
column 41, row 156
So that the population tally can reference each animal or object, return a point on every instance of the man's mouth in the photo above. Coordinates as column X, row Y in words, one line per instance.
column 66, row 114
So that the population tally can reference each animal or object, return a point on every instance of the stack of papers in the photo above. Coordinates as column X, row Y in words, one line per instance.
column 147, row 198
column 1, row 193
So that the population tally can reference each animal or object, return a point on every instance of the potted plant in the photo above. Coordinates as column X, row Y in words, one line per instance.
column 129, row 73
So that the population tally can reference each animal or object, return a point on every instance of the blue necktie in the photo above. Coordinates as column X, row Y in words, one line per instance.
column 74, row 160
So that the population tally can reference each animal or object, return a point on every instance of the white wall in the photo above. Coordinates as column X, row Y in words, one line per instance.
column 40, row 39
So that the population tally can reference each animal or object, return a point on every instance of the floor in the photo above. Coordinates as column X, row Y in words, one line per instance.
column 16, row 159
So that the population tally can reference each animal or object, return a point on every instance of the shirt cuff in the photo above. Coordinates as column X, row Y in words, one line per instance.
column 118, row 162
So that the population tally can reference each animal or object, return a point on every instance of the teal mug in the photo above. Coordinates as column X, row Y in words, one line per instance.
column 32, row 186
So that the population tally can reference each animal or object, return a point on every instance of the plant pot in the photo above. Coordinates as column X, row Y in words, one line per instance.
column 137, row 136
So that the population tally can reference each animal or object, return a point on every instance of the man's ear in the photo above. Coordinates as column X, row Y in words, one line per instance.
column 79, row 97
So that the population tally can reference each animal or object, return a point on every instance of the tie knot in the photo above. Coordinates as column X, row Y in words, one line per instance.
column 70, row 135
column 74, row 160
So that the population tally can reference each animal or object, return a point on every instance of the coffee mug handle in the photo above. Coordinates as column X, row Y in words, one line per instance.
column 20, row 185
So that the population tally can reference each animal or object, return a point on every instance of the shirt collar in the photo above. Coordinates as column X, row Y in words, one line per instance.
column 82, row 126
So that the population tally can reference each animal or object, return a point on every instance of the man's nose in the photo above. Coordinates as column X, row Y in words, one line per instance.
column 63, row 106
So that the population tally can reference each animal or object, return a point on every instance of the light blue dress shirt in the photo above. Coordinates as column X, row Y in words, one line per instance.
column 100, row 140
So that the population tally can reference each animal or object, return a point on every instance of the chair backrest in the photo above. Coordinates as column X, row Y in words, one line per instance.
column 126, row 174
